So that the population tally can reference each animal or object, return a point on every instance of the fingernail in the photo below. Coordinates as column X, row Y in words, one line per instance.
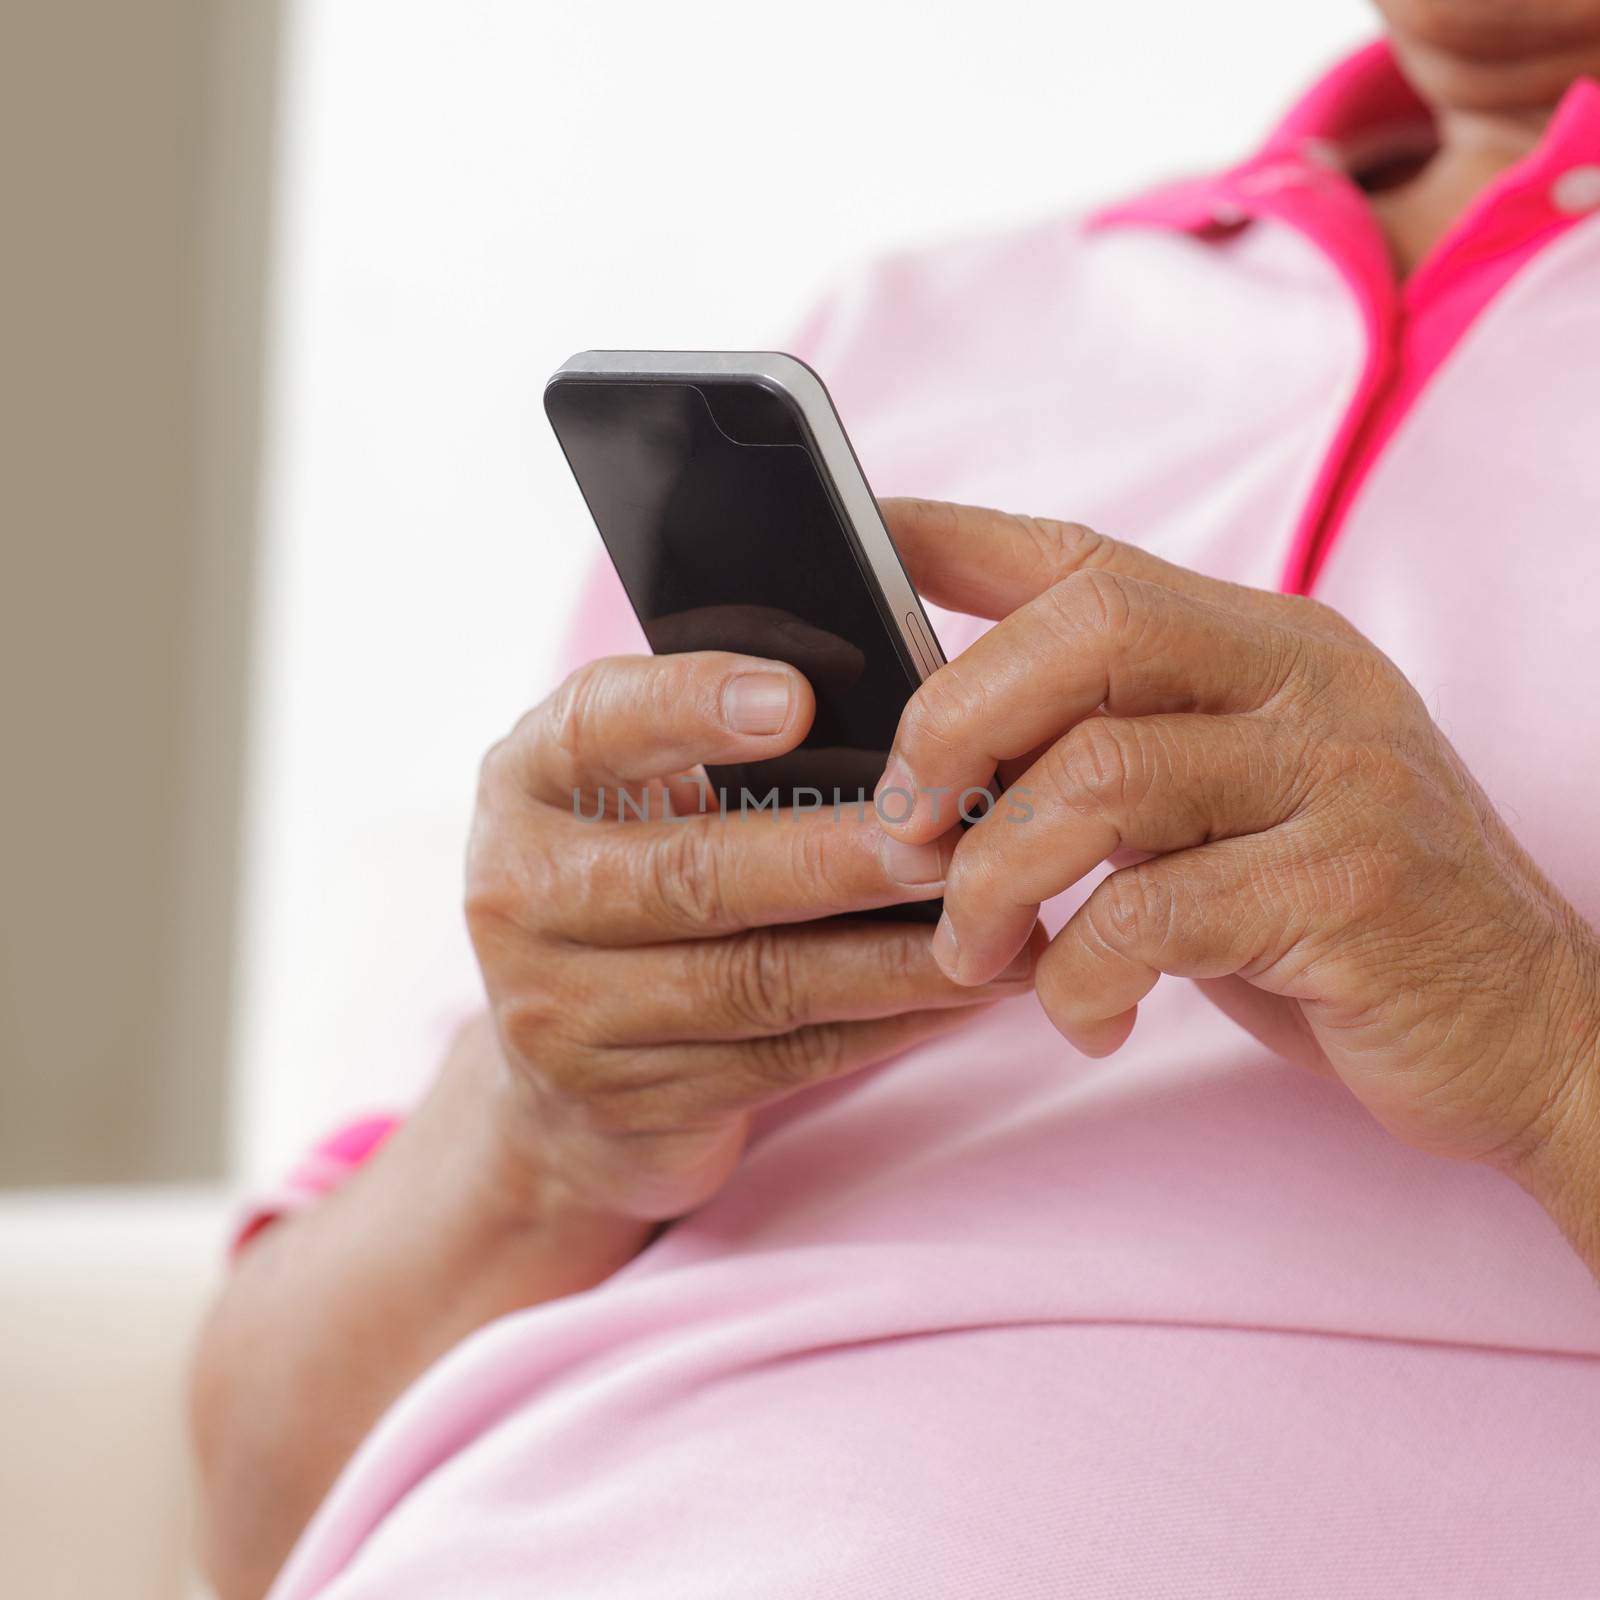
column 896, row 795
column 758, row 702
column 917, row 866
column 944, row 948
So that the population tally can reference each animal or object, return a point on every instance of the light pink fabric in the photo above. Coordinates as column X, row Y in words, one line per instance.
column 1298, row 179
column 993, row 1320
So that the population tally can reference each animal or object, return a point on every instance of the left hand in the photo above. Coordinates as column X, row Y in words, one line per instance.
column 1317, row 856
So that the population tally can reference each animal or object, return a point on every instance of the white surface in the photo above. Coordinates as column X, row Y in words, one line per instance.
column 473, row 190
column 101, row 1292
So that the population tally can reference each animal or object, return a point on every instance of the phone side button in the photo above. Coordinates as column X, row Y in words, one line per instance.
column 927, row 658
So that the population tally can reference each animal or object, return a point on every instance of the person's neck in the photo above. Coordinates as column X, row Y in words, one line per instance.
column 1474, row 148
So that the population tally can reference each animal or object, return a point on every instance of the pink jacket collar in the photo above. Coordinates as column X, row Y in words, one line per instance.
column 1362, row 105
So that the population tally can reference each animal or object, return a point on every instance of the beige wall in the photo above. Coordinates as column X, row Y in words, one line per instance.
column 134, row 146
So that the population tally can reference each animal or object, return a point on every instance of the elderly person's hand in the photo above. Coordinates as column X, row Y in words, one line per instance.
column 652, row 982
column 1318, row 858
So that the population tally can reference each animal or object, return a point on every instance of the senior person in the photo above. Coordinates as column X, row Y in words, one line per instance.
column 1233, row 1232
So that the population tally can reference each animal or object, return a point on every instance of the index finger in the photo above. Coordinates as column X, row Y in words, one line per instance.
column 1095, row 639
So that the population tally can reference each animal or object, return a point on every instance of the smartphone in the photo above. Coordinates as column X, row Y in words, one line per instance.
column 737, row 516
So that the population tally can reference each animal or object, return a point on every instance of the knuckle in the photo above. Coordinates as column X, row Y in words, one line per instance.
column 1390, row 692
column 1296, row 669
column 682, row 879
column 1064, row 547
column 903, row 963
column 491, row 901
column 1346, row 677
column 1103, row 766
column 1129, row 910
column 1373, row 779
column 1072, row 546
column 787, row 1060
column 528, row 1023
column 755, row 980
column 570, row 712
column 509, row 882
column 1317, row 616
column 680, row 691
column 937, row 710
column 1095, row 600
column 1402, row 786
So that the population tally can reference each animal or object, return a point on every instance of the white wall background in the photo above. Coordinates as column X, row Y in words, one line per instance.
column 470, row 191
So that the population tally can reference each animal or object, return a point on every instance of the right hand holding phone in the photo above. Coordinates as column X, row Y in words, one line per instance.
column 653, row 982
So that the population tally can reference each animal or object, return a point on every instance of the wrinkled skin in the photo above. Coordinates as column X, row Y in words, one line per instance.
column 1318, row 856
column 651, row 981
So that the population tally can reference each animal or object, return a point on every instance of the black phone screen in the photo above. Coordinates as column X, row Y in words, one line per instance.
column 727, row 536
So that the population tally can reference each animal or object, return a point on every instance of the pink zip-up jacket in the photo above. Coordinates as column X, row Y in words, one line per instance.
column 996, row 1321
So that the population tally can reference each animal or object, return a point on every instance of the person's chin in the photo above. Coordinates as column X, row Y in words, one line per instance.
column 1498, row 33
column 1481, row 56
